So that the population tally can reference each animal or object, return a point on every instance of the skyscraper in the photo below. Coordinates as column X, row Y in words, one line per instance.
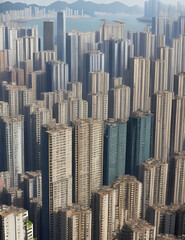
column 103, row 213
column 31, row 184
column 116, row 59
column 154, row 175
column 87, row 159
column 75, row 221
column 163, row 218
column 98, row 106
column 12, row 146
column 179, row 85
column 138, row 141
column 98, row 82
column 139, row 83
column 57, row 75
column 94, row 61
column 35, row 116
column 48, row 34
column 72, row 55
column 119, row 103
column 56, row 175
column 162, row 109
column 40, row 59
column 108, row 31
column 178, row 125
column 128, row 199
column 61, row 36
column 177, row 179
column 115, row 135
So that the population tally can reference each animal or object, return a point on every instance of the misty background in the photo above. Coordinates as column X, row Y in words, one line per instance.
column 127, row 2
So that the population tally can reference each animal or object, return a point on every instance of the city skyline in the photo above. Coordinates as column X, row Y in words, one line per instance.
column 127, row 2
column 92, row 124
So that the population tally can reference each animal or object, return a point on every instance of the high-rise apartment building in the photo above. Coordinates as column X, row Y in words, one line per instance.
column 35, row 116
column 177, row 179
column 31, row 184
column 94, row 61
column 178, row 125
column 153, row 174
column 4, row 109
column 72, row 55
column 37, row 81
column 103, row 213
column 87, row 159
column 98, row 82
column 114, row 160
column 162, row 110
column 67, row 111
column 61, row 36
column 86, row 43
column 138, row 141
column 128, row 199
column 116, row 58
column 108, row 31
column 139, row 83
column 74, row 222
column 40, row 59
column 159, row 76
column 35, row 215
column 76, row 89
column 5, row 180
column 98, row 106
column 56, row 175
column 179, row 85
column 48, row 34
column 137, row 229
column 57, row 75
column 12, row 146
column 15, row 224
column 119, row 103
column 163, row 218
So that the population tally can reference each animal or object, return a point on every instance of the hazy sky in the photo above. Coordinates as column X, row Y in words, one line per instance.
column 127, row 2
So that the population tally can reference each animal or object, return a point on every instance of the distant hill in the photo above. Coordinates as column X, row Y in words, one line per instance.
column 7, row 6
column 89, row 7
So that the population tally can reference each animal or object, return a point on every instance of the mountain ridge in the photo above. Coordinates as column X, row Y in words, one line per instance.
column 88, row 7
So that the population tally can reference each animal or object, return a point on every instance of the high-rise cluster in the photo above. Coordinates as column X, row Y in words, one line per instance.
column 92, row 131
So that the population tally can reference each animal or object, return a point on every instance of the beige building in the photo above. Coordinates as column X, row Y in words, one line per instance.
column 137, row 230
column 178, row 125
column 98, row 82
column 74, row 223
column 153, row 174
column 98, row 106
column 139, row 83
column 104, row 213
column 119, row 103
column 128, row 199
column 162, row 110
column 87, row 159
column 177, row 178
column 56, row 174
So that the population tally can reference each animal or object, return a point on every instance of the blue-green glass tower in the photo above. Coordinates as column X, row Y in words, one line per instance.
column 138, row 141
column 115, row 135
